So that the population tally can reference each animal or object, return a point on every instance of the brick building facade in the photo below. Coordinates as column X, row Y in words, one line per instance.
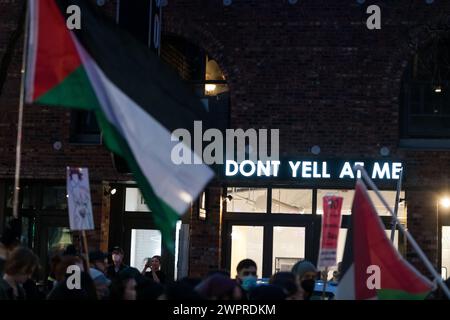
column 312, row 69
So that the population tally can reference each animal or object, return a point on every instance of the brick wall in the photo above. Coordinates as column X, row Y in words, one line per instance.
column 205, row 236
column 316, row 72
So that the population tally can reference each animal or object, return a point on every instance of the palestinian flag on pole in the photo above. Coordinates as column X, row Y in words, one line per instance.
column 137, row 100
column 372, row 268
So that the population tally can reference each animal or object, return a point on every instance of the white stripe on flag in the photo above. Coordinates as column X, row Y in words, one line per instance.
column 149, row 141
column 346, row 287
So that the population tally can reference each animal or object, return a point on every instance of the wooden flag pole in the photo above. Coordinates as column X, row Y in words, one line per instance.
column 408, row 236
column 86, row 252
column 325, row 283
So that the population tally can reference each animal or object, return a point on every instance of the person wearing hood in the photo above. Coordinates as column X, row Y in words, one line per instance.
column 305, row 274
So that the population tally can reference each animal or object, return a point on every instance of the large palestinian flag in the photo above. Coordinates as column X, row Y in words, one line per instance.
column 367, row 248
column 137, row 100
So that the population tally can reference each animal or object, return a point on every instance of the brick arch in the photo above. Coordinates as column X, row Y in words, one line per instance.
column 208, row 42
column 419, row 38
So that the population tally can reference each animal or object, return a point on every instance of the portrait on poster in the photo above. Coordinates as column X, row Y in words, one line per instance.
column 79, row 199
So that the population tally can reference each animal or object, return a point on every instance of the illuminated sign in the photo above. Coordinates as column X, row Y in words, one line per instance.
column 307, row 169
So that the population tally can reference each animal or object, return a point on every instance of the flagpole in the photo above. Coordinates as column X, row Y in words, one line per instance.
column 397, row 201
column 20, row 120
column 413, row 242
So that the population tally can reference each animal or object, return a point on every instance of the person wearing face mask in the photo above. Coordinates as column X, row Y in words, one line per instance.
column 246, row 274
column 117, row 265
column 305, row 274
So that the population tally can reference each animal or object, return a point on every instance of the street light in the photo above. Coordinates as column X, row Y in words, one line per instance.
column 445, row 202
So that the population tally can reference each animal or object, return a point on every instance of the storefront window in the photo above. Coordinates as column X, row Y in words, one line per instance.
column 247, row 200
column 288, row 247
column 292, row 201
column 54, row 197
column 134, row 201
column 246, row 243
column 348, row 195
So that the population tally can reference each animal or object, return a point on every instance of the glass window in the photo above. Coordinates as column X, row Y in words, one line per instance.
column 25, row 194
column 214, row 78
column 145, row 243
column 348, row 201
column 247, row 200
column 288, row 247
column 84, row 127
column 445, row 252
column 58, row 239
column 425, row 97
column 55, row 197
column 389, row 196
column 246, row 243
column 294, row 201
column 134, row 201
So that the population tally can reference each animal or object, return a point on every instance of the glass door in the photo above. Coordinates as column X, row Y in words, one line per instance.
column 288, row 247
column 247, row 243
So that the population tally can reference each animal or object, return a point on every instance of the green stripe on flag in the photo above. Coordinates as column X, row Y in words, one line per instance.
column 74, row 91
column 391, row 294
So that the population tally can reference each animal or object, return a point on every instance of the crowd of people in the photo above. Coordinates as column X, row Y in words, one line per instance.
column 101, row 280
column 106, row 277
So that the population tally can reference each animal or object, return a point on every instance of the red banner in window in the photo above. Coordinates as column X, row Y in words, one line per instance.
column 331, row 222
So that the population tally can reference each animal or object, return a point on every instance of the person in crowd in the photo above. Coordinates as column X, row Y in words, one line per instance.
column 148, row 290
column 305, row 274
column 246, row 274
column 9, row 240
column 85, row 291
column 286, row 281
column 98, row 260
column 70, row 250
column 219, row 287
column 61, row 291
column 33, row 290
column 267, row 292
column 335, row 279
column 181, row 291
column 123, row 287
column 101, row 283
column 61, row 268
column 117, row 265
column 220, row 271
column 19, row 267
column 338, row 273
column 155, row 274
